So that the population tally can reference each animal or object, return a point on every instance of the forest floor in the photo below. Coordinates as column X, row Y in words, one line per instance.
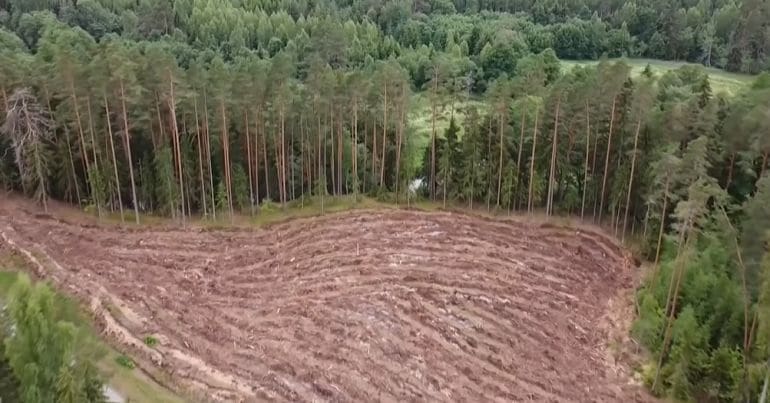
column 368, row 305
column 721, row 81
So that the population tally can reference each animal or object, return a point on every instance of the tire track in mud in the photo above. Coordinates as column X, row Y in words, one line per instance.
column 385, row 306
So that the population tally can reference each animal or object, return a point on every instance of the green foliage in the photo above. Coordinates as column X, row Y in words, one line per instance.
column 47, row 355
column 166, row 187
column 240, row 188
column 125, row 362
column 150, row 341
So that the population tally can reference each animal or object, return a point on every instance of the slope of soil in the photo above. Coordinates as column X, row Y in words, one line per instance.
column 389, row 306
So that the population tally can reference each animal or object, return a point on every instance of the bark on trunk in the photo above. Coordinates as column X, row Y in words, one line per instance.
column 384, row 135
column 552, row 174
column 585, row 170
column 177, row 146
column 114, row 160
column 127, row 144
column 199, row 143
column 607, row 158
column 518, row 158
column 532, row 164
column 631, row 179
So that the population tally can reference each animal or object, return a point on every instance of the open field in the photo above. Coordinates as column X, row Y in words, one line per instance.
column 376, row 305
column 421, row 124
column 721, row 81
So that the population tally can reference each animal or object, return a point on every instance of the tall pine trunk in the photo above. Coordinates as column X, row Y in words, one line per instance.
column 500, row 162
column 177, row 145
column 663, row 215
column 129, row 158
column 671, row 300
column 631, row 178
column 552, row 174
column 384, row 134
column 81, row 136
column 207, row 138
column 282, row 114
column 114, row 160
column 532, row 163
column 226, row 153
column 400, row 138
column 354, row 150
column 333, row 167
column 433, row 137
column 199, row 143
column 518, row 158
column 249, row 166
column 256, row 156
column 730, row 171
column 607, row 157
column 585, row 168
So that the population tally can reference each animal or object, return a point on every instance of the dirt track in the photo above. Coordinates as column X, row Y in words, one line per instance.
column 389, row 306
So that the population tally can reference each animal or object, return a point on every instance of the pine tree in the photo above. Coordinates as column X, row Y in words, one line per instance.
column 45, row 352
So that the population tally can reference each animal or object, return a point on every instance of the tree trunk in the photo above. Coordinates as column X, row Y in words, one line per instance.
column 256, row 156
column 500, row 163
column 400, row 138
column 593, row 172
column 607, row 158
column 198, row 141
column 730, row 171
column 552, row 174
column 631, row 179
column 127, row 143
column 518, row 158
column 333, row 152
column 763, row 396
column 282, row 114
column 340, row 157
column 81, row 137
column 207, row 141
column 433, row 137
column 488, row 164
column 248, row 159
column 746, row 328
column 384, row 134
column 267, row 164
column 671, row 301
column 114, row 160
column 366, row 154
column 95, row 155
column 661, row 231
column 226, row 152
column 354, row 150
column 532, row 163
column 177, row 145
column 585, row 169
column 290, row 159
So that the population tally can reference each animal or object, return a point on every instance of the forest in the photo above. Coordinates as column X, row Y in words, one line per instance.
column 222, row 108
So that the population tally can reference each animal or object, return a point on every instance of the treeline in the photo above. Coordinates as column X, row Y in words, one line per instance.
column 493, row 35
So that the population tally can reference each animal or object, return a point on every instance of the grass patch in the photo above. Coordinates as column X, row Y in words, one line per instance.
column 150, row 341
column 125, row 362
column 421, row 122
column 721, row 81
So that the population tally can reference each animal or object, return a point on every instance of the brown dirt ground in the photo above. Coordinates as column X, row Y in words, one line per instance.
column 391, row 306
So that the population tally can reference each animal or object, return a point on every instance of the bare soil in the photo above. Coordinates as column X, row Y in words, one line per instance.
column 391, row 306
